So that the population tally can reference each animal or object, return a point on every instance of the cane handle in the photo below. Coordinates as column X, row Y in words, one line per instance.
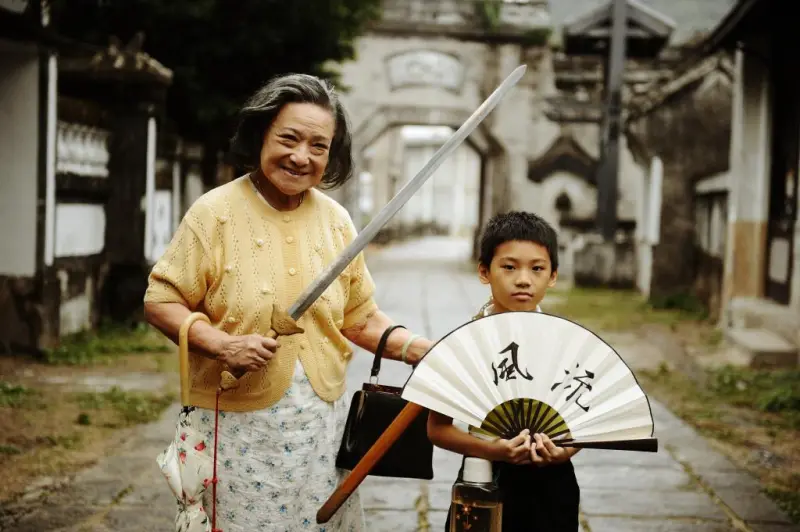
column 183, row 352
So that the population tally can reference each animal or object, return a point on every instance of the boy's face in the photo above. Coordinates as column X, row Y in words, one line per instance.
column 519, row 275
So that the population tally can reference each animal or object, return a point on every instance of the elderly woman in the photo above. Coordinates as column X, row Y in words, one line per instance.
column 242, row 247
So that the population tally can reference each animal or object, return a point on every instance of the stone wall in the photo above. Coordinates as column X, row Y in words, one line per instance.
column 606, row 264
column 686, row 123
column 708, row 282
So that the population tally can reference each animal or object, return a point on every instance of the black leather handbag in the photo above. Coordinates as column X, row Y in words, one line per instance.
column 372, row 410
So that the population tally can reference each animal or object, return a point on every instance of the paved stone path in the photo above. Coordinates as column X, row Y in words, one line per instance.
column 686, row 486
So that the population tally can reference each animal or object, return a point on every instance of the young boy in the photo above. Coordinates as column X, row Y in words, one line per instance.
column 519, row 261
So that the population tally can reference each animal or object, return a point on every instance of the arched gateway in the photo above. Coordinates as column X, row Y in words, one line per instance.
column 432, row 63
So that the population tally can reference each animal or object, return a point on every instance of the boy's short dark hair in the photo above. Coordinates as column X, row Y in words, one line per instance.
column 517, row 225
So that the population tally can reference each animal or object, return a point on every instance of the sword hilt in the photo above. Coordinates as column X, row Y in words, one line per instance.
column 282, row 325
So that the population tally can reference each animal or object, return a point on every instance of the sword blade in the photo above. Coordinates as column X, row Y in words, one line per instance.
column 365, row 236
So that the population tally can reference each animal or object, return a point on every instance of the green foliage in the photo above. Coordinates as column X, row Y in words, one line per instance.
column 489, row 12
column 130, row 407
column 682, row 302
column 107, row 343
column 775, row 391
column 69, row 441
column 9, row 450
column 538, row 36
column 744, row 408
column 219, row 51
column 788, row 500
column 16, row 395
column 613, row 310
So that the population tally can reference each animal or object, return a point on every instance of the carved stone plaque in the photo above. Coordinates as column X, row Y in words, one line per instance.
column 425, row 68
column 15, row 6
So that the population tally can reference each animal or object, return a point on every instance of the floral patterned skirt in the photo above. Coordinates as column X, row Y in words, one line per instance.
column 276, row 467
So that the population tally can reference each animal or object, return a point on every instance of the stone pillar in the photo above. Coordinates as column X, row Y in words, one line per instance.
column 128, row 168
column 748, row 205
column 673, row 256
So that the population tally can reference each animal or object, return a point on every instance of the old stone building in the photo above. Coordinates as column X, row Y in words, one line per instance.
column 679, row 131
column 91, row 182
column 432, row 63
column 28, row 94
column 725, row 129
column 761, row 282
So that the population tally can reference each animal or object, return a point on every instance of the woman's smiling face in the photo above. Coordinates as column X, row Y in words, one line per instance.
column 296, row 147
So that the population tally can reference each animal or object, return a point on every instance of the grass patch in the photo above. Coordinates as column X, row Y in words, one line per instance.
column 9, row 449
column 53, row 418
column 125, row 408
column 748, row 415
column 787, row 500
column 768, row 391
column 73, row 431
column 18, row 396
column 615, row 310
column 106, row 344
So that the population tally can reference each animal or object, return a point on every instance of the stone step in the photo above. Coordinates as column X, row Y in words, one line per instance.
column 757, row 313
column 760, row 348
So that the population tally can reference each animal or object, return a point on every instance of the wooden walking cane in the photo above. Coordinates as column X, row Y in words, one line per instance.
column 183, row 357
column 368, row 461
column 183, row 352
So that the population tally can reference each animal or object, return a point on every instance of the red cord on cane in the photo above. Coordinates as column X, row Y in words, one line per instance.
column 214, row 480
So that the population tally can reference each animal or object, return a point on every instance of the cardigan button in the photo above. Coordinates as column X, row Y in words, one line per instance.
column 260, row 242
column 289, row 239
column 231, row 320
column 223, row 219
column 265, row 289
column 228, row 268
column 287, row 218
column 292, row 271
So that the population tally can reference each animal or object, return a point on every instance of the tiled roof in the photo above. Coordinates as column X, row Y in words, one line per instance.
column 690, row 16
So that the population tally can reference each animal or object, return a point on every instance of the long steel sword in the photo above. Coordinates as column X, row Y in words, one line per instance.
column 285, row 323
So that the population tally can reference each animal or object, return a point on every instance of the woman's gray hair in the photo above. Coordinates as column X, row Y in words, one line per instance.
column 260, row 111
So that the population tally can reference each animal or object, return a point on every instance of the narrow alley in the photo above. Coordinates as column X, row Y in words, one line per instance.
column 429, row 286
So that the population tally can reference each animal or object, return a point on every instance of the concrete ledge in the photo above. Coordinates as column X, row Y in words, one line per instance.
column 755, row 313
column 760, row 348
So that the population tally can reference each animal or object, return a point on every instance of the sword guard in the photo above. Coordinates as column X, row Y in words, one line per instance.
column 282, row 325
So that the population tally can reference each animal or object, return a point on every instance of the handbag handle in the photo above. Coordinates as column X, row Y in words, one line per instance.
column 376, row 363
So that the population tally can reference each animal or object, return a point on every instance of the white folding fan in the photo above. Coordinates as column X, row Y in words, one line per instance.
column 507, row 372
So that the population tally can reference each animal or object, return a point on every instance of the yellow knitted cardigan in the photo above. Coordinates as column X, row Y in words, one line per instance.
column 233, row 256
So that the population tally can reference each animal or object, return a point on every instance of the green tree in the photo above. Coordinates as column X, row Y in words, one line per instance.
column 221, row 51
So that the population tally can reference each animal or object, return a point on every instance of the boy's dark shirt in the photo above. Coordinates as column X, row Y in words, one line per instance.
column 536, row 499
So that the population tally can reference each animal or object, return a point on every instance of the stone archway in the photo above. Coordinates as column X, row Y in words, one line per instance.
column 493, row 155
column 417, row 78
